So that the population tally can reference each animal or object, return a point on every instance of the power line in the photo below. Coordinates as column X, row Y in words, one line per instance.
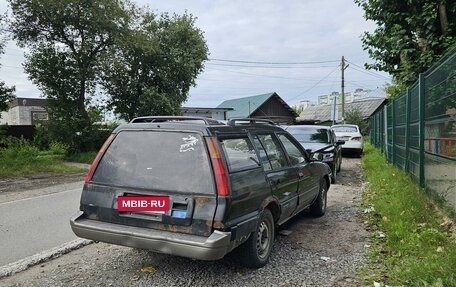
column 324, row 78
column 272, row 63
column 363, row 70
column 269, row 67
column 258, row 75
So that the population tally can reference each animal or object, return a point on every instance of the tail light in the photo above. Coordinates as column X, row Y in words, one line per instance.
column 356, row 138
column 220, row 171
column 97, row 159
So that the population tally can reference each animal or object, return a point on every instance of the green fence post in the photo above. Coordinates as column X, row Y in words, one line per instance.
column 393, row 131
column 382, row 128
column 372, row 130
column 407, row 129
column 421, row 125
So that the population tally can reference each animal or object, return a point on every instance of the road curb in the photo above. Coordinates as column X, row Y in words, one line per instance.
column 24, row 264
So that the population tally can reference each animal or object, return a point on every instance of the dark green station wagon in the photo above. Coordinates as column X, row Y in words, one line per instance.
column 199, row 188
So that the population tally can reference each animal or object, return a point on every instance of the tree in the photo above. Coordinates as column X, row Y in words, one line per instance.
column 6, row 93
column 72, row 35
column 410, row 35
column 355, row 117
column 151, row 71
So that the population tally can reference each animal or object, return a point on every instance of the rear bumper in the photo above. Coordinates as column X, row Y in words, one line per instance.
column 204, row 248
column 352, row 145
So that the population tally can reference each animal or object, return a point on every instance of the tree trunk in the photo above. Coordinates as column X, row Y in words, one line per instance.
column 443, row 17
column 81, row 101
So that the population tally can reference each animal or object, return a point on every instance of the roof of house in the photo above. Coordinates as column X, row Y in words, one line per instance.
column 38, row 102
column 204, row 110
column 324, row 113
column 244, row 107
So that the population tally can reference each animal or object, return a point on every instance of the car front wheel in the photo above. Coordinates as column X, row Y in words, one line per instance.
column 339, row 164
column 333, row 174
column 256, row 250
column 318, row 208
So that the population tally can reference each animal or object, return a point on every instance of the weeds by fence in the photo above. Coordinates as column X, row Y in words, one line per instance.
column 417, row 130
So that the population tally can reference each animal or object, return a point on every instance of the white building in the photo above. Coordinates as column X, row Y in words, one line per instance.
column 24, row 111
column 350, row 97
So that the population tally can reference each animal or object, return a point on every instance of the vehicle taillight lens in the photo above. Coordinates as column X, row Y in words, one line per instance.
column 95, row 162
column 220, row 172
column 356, row 138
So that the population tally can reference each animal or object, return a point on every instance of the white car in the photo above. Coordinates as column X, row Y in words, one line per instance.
column 352, row 137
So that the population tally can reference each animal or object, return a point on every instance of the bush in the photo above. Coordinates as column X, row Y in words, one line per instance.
column 58, row 148
column 72, row 137
column 23, row 158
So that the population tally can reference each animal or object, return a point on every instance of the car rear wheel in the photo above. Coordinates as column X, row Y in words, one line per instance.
column 255, row 252
column 318, row 208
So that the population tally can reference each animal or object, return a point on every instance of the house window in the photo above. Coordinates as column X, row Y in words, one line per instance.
column 39, row 116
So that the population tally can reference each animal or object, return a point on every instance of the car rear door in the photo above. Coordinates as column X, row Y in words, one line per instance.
column 145, row 163
column 308, row 186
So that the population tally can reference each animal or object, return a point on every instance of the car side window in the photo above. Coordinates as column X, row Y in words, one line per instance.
column 294, row 153
column 275, row 154
column 263, row 156
column 240, row 154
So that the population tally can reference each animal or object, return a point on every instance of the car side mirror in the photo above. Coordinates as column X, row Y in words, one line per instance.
column 317, row 156
column 340, row 142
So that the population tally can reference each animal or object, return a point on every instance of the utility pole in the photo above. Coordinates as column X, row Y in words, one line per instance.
column 342, row 68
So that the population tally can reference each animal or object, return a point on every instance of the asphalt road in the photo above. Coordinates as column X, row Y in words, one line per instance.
column 32, row 225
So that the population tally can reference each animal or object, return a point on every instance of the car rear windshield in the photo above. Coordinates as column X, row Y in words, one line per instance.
column 156, row 160
column 310, row 135
column 345, row 129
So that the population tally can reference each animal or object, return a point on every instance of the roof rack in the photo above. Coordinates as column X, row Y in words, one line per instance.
column 252, row 121
column 161, row 119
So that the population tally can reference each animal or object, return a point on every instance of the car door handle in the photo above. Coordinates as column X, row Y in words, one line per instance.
column 300, row 174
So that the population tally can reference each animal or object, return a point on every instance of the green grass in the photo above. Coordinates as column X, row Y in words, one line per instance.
column 26, row 159
column 82, row 157
column 417, row 250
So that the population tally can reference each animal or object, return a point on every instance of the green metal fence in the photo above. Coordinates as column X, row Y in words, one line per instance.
column 417, row 131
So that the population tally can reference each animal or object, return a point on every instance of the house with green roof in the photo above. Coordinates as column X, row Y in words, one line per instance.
column 266, row 106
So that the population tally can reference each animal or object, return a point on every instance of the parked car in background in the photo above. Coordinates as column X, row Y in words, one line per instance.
column 199, row 188
column 320, row 139
column 352, row 136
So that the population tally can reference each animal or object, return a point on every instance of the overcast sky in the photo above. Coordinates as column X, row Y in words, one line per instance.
column 272, row 31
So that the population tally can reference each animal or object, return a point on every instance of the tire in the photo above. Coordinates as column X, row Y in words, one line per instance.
column 318, row 208
column 255, row 252
column 333, row 175
column 339, row 165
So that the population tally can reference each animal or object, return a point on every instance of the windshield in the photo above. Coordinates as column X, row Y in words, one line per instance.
column 345, row 129
column 310, row 135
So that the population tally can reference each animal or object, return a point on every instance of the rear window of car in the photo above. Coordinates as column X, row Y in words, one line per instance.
column 345, row 129
column 157, row 160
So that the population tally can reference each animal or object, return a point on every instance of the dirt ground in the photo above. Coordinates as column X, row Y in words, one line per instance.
column 308, row 251
column 36, row 181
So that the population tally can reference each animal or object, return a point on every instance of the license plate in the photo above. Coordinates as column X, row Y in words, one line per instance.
column 155, row 204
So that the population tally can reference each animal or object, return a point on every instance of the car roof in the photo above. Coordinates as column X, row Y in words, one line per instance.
column 344, row 125
column 307, row 127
